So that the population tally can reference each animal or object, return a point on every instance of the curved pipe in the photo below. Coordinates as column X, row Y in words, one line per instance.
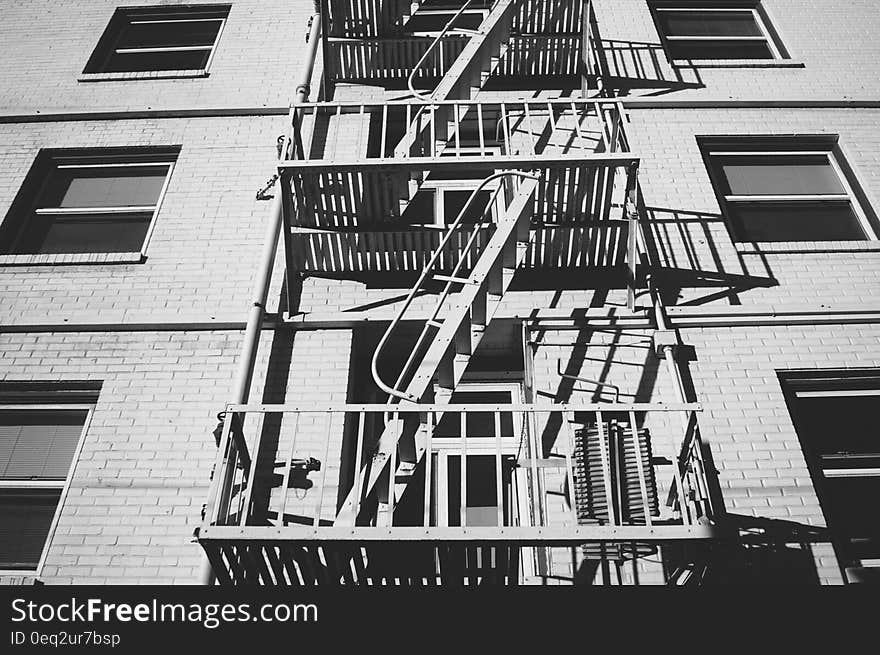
column 425, row 272
column 437, row 39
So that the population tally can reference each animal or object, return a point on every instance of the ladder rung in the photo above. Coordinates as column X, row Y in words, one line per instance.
column 436, row 324
column 456, row 280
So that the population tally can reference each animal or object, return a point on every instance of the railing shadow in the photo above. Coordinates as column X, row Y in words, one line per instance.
column 768, row 552
column 266, row 468
column 625, row 66
column 691, row 250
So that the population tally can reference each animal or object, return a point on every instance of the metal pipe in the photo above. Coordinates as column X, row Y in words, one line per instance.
column 254, row 327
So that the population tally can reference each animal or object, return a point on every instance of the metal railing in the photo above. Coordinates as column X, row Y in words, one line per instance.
column 511, row 440
column 468, row 129
column 381, row 18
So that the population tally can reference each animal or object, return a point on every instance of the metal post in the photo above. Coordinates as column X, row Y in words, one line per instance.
column 253, row 330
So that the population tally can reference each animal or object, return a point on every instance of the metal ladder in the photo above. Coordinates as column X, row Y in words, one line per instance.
column 431, row 127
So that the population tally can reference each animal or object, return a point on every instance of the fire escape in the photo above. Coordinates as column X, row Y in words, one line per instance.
column 551, row 184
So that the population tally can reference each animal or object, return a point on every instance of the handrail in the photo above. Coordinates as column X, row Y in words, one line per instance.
column 437, row 39
column 395, row 393
column 445, row 293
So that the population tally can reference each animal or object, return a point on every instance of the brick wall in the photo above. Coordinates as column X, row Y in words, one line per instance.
column 833, row 56
column 691, row 232
column 142, row 475
column 138, row 487
column 208, row 234
column 256, row 63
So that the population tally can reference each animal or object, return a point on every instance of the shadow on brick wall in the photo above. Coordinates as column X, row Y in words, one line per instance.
column 693, row 250
column 627, row 66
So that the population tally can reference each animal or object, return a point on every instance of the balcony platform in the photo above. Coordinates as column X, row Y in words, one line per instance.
column 597, row 245
column 280, row 529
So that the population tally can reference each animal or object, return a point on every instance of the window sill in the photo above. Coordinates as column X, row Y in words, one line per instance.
column 142, row 75
column 73, row 258
column 22, row 577
column 796, row 247
column 738, row 63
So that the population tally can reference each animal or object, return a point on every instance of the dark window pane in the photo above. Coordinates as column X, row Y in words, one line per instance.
column 701, row 50
column 839, row 432
column 81, row 234
column 455, row 201
column 104, row 187
column 168, row 34
column 465, row 172
column 828, row 221
column 156, row 61
column 824, row 416
column 421, row 22
column 157, row 28
column 708, row 23
column 779, row 175
column 454, row 5
column 852, row 507
column 477, row 424
column 25, row 519
column 420, row 210
column 38, row 444
column 482, row 503
column 829, row 428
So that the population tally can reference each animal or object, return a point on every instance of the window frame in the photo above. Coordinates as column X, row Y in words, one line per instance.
column 489, row 381
column 45, row 166
column 127, row 16
column 768, row 32
column 463, row 149
column 63, row 486
column 780, row 147
column 798, row 385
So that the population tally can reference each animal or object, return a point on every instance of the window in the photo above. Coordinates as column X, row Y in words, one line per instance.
column 720, row 30
column 430, row 22
column 159, row 39
column 785, row 189
column 444, row 194
column 100, row 201
column 439, row 202
column 489, row 500
column 834, row 414
column 39, row 436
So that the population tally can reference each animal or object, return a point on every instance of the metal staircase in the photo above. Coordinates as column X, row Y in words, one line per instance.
column 560, row 167
column 462, row 81
column 451, row 335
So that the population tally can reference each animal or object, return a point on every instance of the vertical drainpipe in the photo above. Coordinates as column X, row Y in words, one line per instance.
column 254, row 328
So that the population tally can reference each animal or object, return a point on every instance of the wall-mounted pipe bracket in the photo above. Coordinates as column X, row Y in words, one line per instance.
column 663, row 339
